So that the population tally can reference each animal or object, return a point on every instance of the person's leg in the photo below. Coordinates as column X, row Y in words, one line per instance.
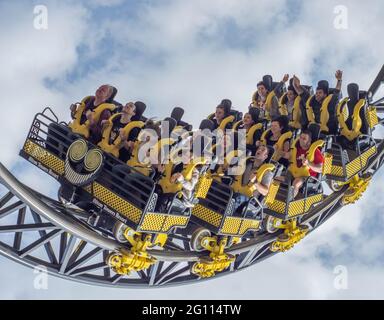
column 280, row 178
column 297, row 184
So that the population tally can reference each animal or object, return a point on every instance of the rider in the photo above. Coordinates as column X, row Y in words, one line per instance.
column 220, row 114
column 279, row 126
column 118, row 123
column 104, row 94
column 315, row 167
column 260, row 100
column 250, row 175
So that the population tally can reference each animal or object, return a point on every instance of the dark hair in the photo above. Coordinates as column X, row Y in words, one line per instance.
column 220, row 106
column 308, row 132
column 283, row 122
column 262, row 83
column 150, row 124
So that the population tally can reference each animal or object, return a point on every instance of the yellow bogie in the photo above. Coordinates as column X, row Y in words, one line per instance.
column 137, row 258
column 291, row 236
column 217, row 261
column 357, row 186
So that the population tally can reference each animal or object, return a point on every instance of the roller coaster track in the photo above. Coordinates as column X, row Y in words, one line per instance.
column 40, row 232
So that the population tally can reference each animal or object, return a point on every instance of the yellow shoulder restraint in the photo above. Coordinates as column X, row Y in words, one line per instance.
column 226, row 121
column 283, row 110
column 75, row 123
column 324, row 113
column 251, row 133
column 250, row 188
column 280, row 142
column 114, row 147
column 237, row 124
column 227, row 161
column 268, row 103
column 303, row 171
column 296, row 113
column 356, row 119
column 83, row 129
column 187, row 172
column 211, row 116
column 263, row 138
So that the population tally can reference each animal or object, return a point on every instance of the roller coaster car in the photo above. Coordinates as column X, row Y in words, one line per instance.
column 97, row 180
column 216, row 212
column 279, row 203
column 354, row 147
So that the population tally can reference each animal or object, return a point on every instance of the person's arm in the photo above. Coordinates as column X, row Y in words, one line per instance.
column 190, row 185
column 274, row 112
column 301, row 91
column 286, row 150
column 317, row 164
column 281, row 84
column 339, row 78
column 263, row 187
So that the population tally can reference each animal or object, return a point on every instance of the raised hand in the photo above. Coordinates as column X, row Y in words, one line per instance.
column 339, row 75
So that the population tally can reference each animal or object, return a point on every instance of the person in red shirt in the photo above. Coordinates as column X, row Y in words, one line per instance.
column 314, row 167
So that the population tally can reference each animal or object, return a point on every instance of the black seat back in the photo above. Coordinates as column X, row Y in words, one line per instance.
column 177, row 114
column 207, row 124
column 140, row 108
column 315, row 129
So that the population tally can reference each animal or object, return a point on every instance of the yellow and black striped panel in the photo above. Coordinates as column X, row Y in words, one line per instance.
column 296, row 208
column 207, row 215
column 203, row 187
column 371, row 116
column 366, row 155
column 277, row 206
column 337, row 171
column 272, row 192
column 116, row 203
column 153, row 222
column 327, row 167
column 311, row 200
column 353, row 167
column 44, row 157
column 174, row 221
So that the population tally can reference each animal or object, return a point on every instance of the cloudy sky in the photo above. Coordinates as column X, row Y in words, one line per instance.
column 193, row 54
